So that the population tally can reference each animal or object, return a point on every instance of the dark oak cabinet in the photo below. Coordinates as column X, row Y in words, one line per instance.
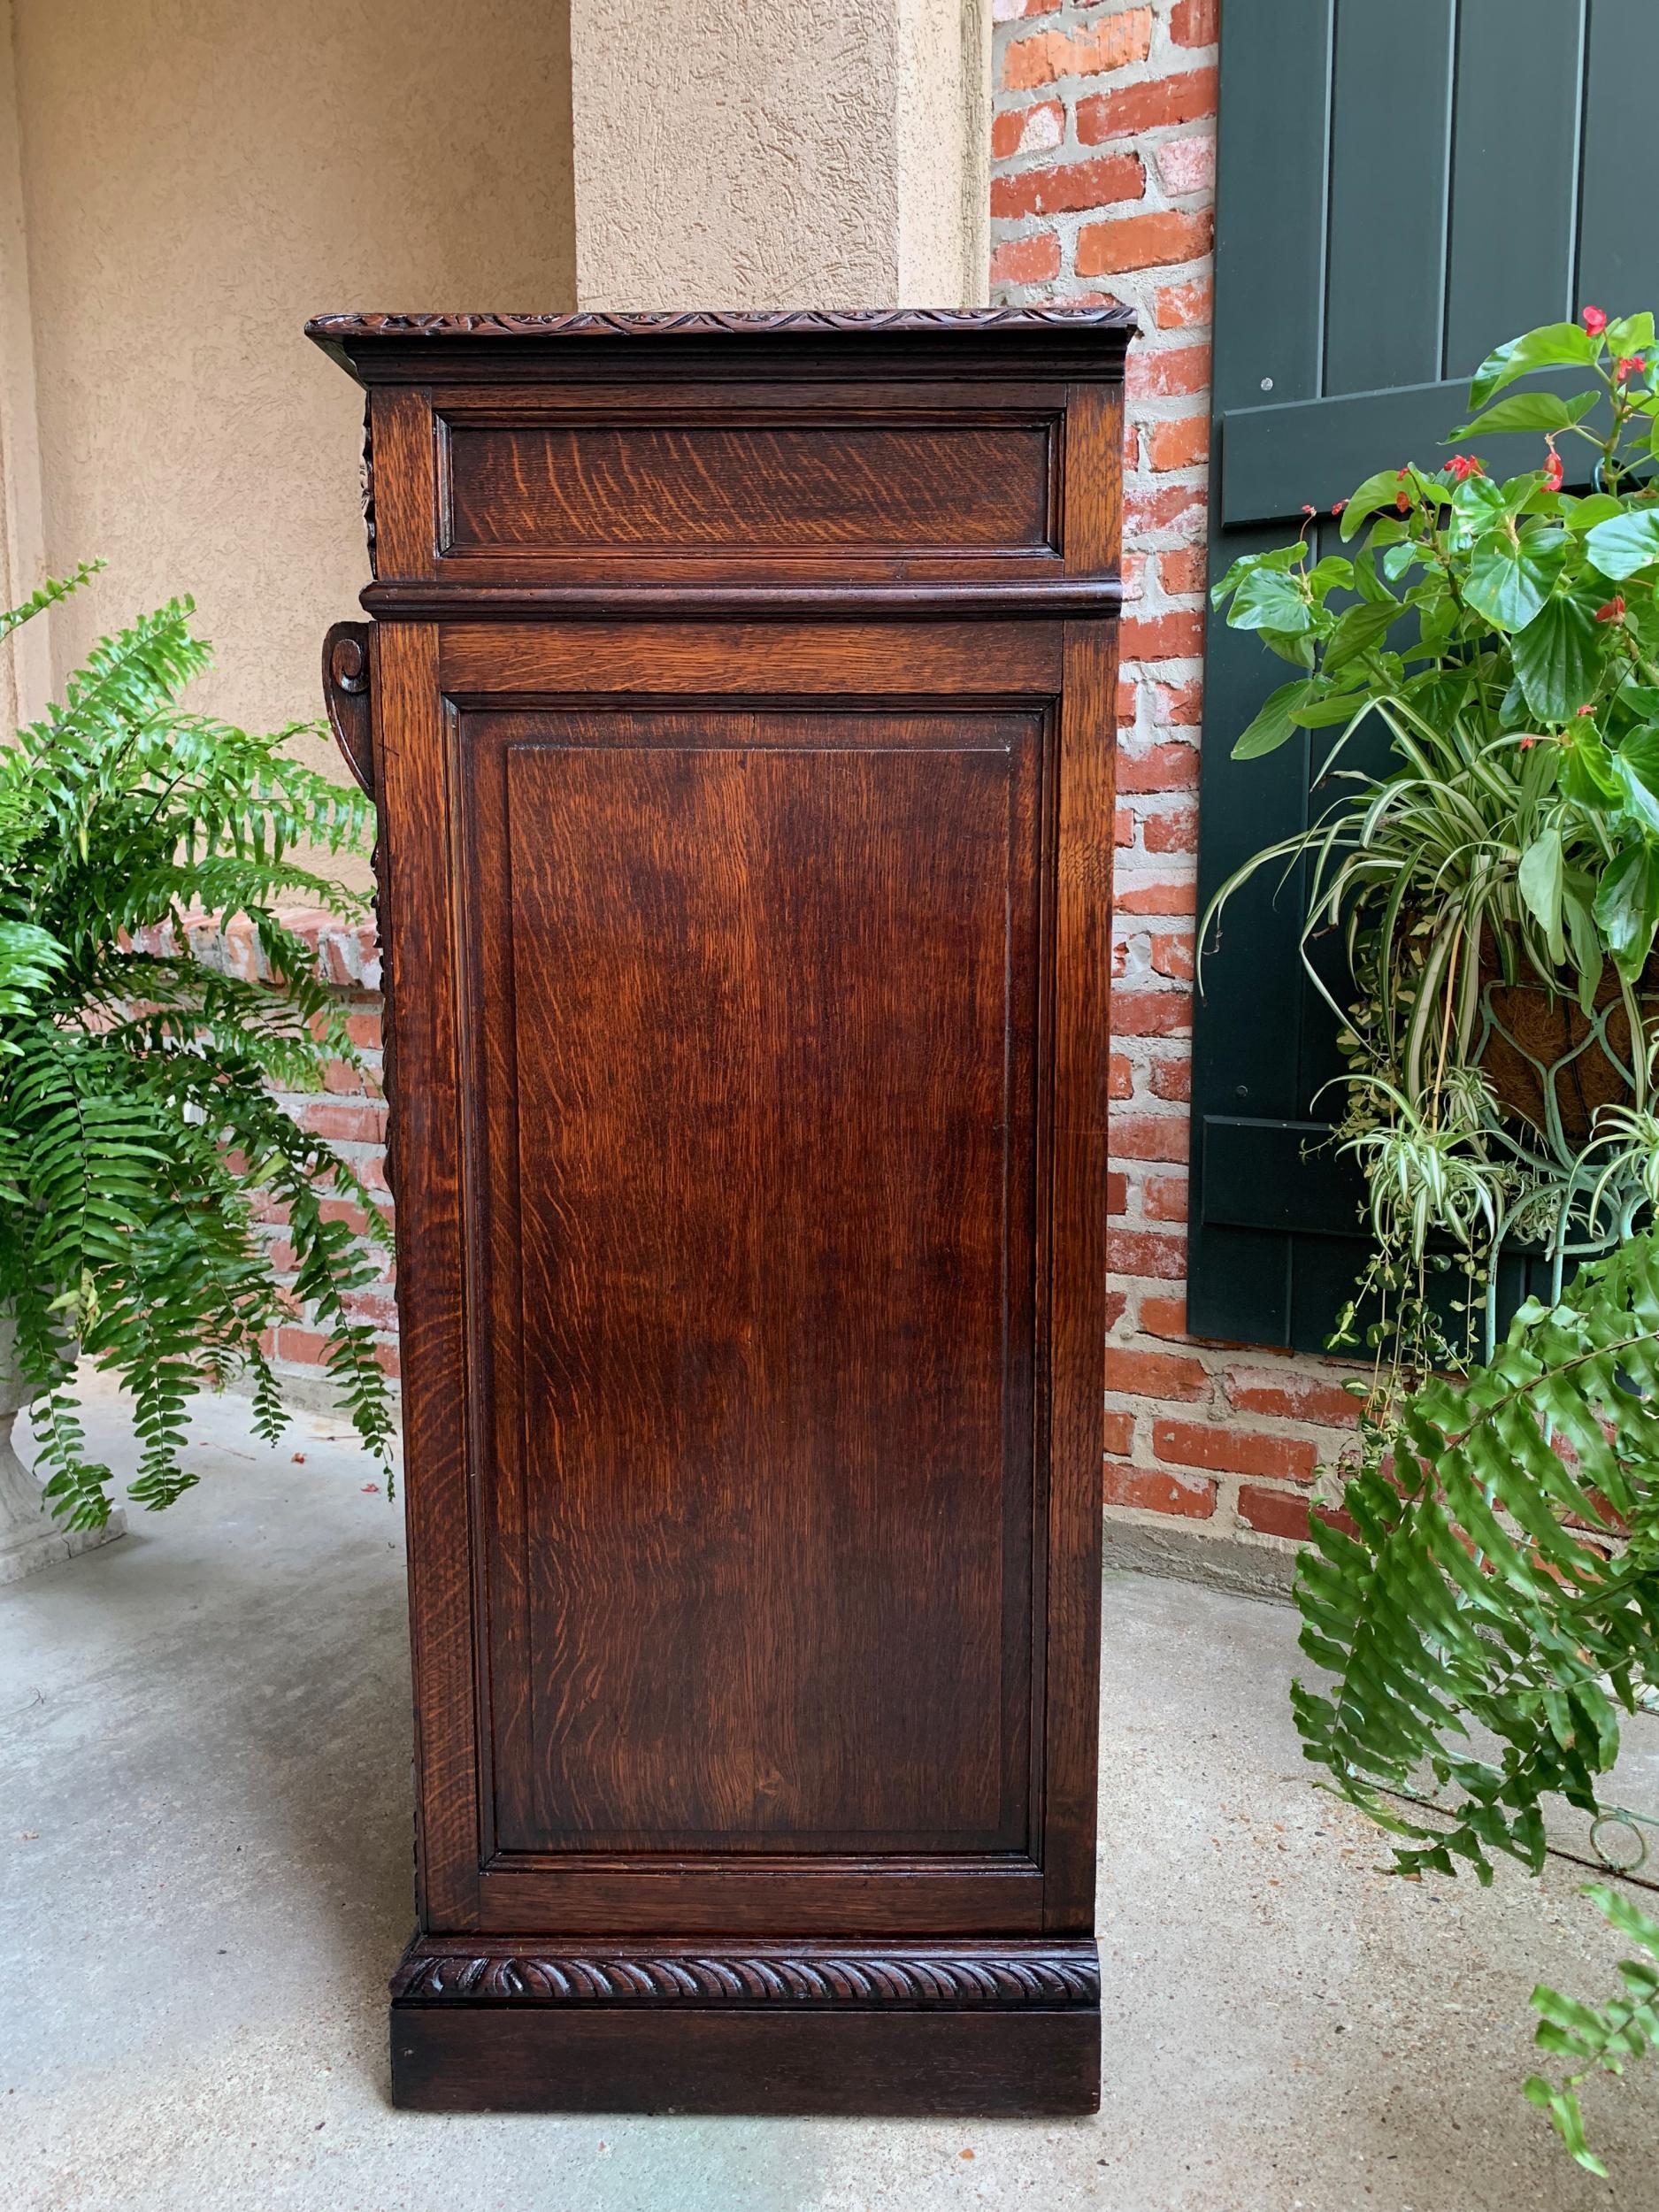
column 738, row 701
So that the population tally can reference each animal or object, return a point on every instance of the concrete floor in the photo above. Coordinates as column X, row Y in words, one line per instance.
column 204, row 1826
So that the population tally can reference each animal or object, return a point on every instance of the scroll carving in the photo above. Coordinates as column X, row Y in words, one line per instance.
column 346, row 692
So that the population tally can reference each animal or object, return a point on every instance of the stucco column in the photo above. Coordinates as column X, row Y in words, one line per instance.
column 26, row 659
column 734, row 155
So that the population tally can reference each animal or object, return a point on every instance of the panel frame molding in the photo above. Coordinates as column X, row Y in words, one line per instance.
column 849, row 1860
column 988, row 1890
column 610, row 410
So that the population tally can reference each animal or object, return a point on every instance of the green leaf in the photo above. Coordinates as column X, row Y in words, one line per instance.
column 1561, row 2105
column 1330, row 574
column 1585, row 942
column 1555, row 345
column 1557, row 658
column 1627, row 904
column 1325, row 710
column 1296, row 647
column 1641, row 806
column 1630, row 333
column 1625, row 542
column 1359, row 631
column 1581, row 515
column 1479, row 504
column 1587, row 770
column 1269, row 600
column 1540, row 877
column 1381, row 490
column 1512, row 572
column 1640, row 754
column 1282, row 557
column 1529, row 411
column 1272, row 725
column 1398, row 559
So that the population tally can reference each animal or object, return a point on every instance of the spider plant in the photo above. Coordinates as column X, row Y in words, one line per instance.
column 1504, row 638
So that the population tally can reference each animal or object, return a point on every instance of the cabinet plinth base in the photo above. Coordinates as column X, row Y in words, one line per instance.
column 875, row 2030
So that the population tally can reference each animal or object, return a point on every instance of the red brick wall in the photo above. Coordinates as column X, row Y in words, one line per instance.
column 1102, row 188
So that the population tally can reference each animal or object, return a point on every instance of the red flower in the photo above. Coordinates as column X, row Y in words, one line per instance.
column 1553, row 471
column 1594, row 320
column 1338, row 506
column 1307, row 509
column 1627, row 365
column 1527, row 744
column 1462, row 466
column 1614, row 611
column 1584, row 712
column 1403, row 498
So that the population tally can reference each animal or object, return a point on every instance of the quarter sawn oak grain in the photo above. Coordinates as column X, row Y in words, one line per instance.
column 740, row 694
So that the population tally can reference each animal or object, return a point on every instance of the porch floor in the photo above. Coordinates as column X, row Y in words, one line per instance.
column 204, row 1826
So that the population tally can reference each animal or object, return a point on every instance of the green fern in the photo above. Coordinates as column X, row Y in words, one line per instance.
column 1600, row 2040
column 1499, row 1572
column 137, row 1123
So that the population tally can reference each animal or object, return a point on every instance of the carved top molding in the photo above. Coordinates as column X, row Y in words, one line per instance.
column 768, row 322
column 797, row 1977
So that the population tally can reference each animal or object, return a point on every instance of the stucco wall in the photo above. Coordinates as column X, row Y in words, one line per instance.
column 197, row 177
column 736, row 155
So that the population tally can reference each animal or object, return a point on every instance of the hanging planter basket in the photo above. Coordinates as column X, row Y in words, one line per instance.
column 1541, row 1049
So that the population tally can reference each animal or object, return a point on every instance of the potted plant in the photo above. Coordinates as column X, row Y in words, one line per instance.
column 1494, row 1562
column 1495, row 883
column 138, row 1133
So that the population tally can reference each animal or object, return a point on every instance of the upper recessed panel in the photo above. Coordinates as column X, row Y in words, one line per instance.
column 767, row 485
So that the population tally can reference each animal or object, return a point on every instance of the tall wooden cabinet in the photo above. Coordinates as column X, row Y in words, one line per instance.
column 738, row 700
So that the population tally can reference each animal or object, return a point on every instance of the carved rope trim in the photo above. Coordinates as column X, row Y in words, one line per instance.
column 751, row 1979
column 1056, row 315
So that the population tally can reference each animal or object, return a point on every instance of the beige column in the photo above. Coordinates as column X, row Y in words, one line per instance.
column 25, row 661
column 742, row 153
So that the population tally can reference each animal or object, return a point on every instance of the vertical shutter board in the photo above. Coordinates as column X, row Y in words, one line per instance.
column 1616, row 232
column 1269, row 315
column 1515, row 172
column 1239, row 1286
column 1269, row 197
column 1251, row 977
column 1320, row 1060
column 1324, row 1276
column 1391, row 113
column 1270, row 307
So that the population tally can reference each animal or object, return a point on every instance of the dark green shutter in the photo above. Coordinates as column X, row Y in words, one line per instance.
column 1402, row 185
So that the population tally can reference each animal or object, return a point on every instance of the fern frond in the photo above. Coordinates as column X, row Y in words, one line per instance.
column 139, row 1138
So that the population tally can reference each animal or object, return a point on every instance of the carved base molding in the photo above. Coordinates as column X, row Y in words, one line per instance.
column 902, row 2029
column 435, row 1970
